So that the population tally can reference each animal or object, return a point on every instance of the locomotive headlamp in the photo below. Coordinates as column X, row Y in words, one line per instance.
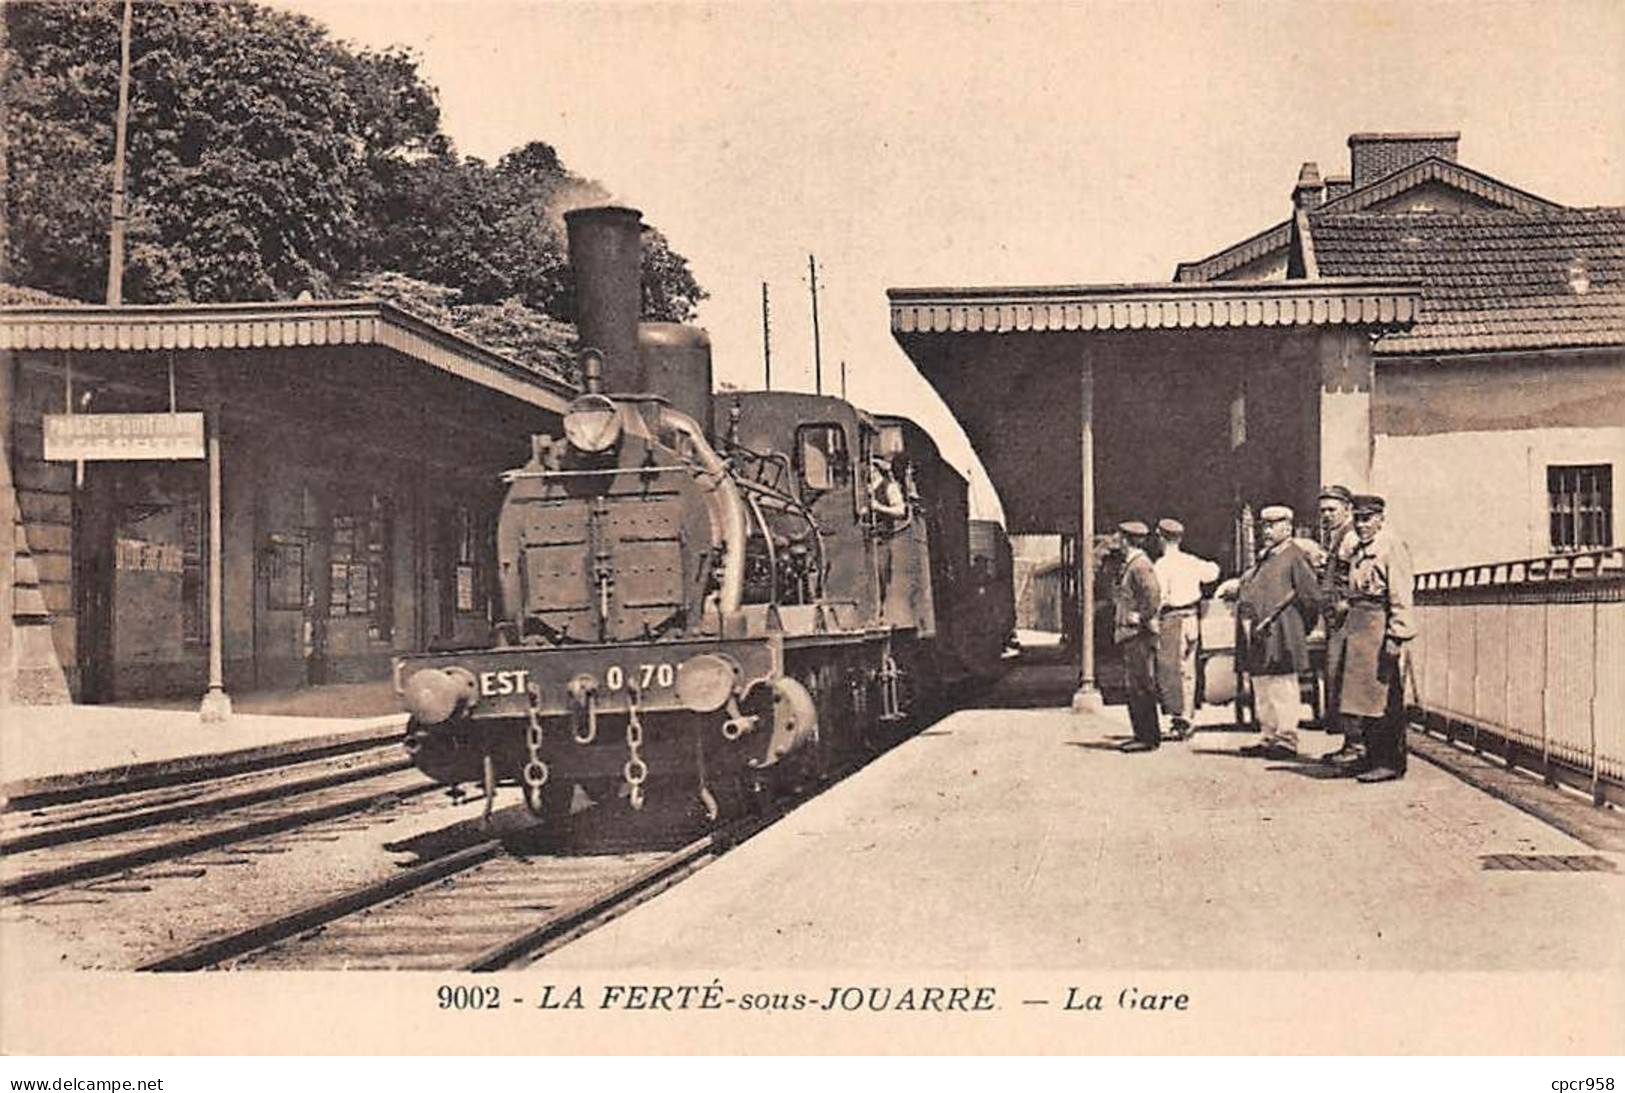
column 706, row 682
column 593, row 424
column 432, row 695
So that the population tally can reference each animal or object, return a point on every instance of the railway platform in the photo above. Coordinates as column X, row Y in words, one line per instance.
column 1023, row 839
column 55, row 750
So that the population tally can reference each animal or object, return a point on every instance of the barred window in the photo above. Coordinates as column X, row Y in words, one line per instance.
column 360, row 566
column 1582, row 506
column 194, row 574
column 473, row 537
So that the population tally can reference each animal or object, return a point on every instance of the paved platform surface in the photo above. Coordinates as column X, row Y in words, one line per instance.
column 1022, row 839
column 51, row 747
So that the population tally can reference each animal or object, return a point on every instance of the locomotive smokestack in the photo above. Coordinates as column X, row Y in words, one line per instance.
column 606, row 252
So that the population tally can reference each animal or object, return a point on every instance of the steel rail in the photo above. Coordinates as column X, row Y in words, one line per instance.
column 554, row 931
column 312, row 916
column 81, row 831
column 175, row 848
column 53, row 790
column 603, row 905
column 584, row 916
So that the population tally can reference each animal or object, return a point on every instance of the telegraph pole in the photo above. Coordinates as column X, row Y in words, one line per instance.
column 767, row 345
column 818, row 360
column 115, row 233
column 843, row 381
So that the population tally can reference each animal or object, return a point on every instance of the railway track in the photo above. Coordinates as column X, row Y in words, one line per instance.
column 483, row 908
column 113, row 836
column 74, row 821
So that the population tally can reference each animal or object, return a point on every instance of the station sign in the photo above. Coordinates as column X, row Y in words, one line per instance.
column 72, row 437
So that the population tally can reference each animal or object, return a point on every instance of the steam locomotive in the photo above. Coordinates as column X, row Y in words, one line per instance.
column 704, row 596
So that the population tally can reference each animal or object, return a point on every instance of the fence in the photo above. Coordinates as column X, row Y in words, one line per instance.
column 1526, row 660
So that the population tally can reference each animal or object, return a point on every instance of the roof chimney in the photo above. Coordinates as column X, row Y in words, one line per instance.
column 1377, row 155
column 1337, row 186
column 1309, row 191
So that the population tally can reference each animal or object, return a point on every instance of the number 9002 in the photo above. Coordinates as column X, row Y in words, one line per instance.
column 469, row 998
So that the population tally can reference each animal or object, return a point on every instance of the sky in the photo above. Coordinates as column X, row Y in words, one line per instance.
column 926, row 144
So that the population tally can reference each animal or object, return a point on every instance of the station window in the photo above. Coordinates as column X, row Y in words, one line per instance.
column 472, row 536
column 160, row 555
column 359, row 565
column 194, row 575
column 1581, row 503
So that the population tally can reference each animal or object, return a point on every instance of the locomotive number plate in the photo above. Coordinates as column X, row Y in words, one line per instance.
column 643, row 677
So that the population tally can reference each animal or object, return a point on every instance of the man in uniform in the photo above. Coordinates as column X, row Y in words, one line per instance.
column 1135, row 602
column 1380, row 622
column 1180, row 577
column 1277, row 605
column 1339, row 540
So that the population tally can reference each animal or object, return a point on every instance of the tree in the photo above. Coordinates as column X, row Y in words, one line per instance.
column 244, row 146
column 264, row 160
column 670, row 292
column 440, row 222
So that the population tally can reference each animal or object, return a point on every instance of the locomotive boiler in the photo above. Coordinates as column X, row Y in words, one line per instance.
column 704, row 597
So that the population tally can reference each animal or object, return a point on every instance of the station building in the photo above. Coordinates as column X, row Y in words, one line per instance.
column 1498, row 417
column 253, row 497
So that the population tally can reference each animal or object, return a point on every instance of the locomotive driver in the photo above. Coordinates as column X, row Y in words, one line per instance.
column 888, row 507
column 885, row 494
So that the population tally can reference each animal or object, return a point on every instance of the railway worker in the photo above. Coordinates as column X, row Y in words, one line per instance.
column 1277, row 604
column 1135, row 603
column 1339, row 541
column 1380, row 622
column 886, row 498
column 1180, row 577
column 888, row 508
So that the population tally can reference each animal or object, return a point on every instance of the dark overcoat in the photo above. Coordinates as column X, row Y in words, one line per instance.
column 1277, row 606
column 1135, row 604
column 1137, row 599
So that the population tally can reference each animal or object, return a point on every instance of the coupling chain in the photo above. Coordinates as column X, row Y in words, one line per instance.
column 534, row 775
column 636, row 771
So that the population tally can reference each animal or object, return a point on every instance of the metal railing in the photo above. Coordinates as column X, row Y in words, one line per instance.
column 1526, row 661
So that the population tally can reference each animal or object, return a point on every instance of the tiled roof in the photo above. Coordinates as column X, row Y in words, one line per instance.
column 1433, row 169
column 1277, row 237
column 1490, row 281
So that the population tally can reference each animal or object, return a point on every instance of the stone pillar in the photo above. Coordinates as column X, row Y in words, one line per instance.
column 216, row 705
column 1087, row 698
column 1345, row 407
column 36, row 546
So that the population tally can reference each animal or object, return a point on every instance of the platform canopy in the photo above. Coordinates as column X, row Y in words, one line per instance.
column 1098, row 403
column 282, row 324
column 1168, row 363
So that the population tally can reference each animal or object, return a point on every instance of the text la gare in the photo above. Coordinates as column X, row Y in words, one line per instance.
column 1129, row 998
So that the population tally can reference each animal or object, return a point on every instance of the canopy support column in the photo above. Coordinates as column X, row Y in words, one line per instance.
column 1087, row 698
column 216, row 705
